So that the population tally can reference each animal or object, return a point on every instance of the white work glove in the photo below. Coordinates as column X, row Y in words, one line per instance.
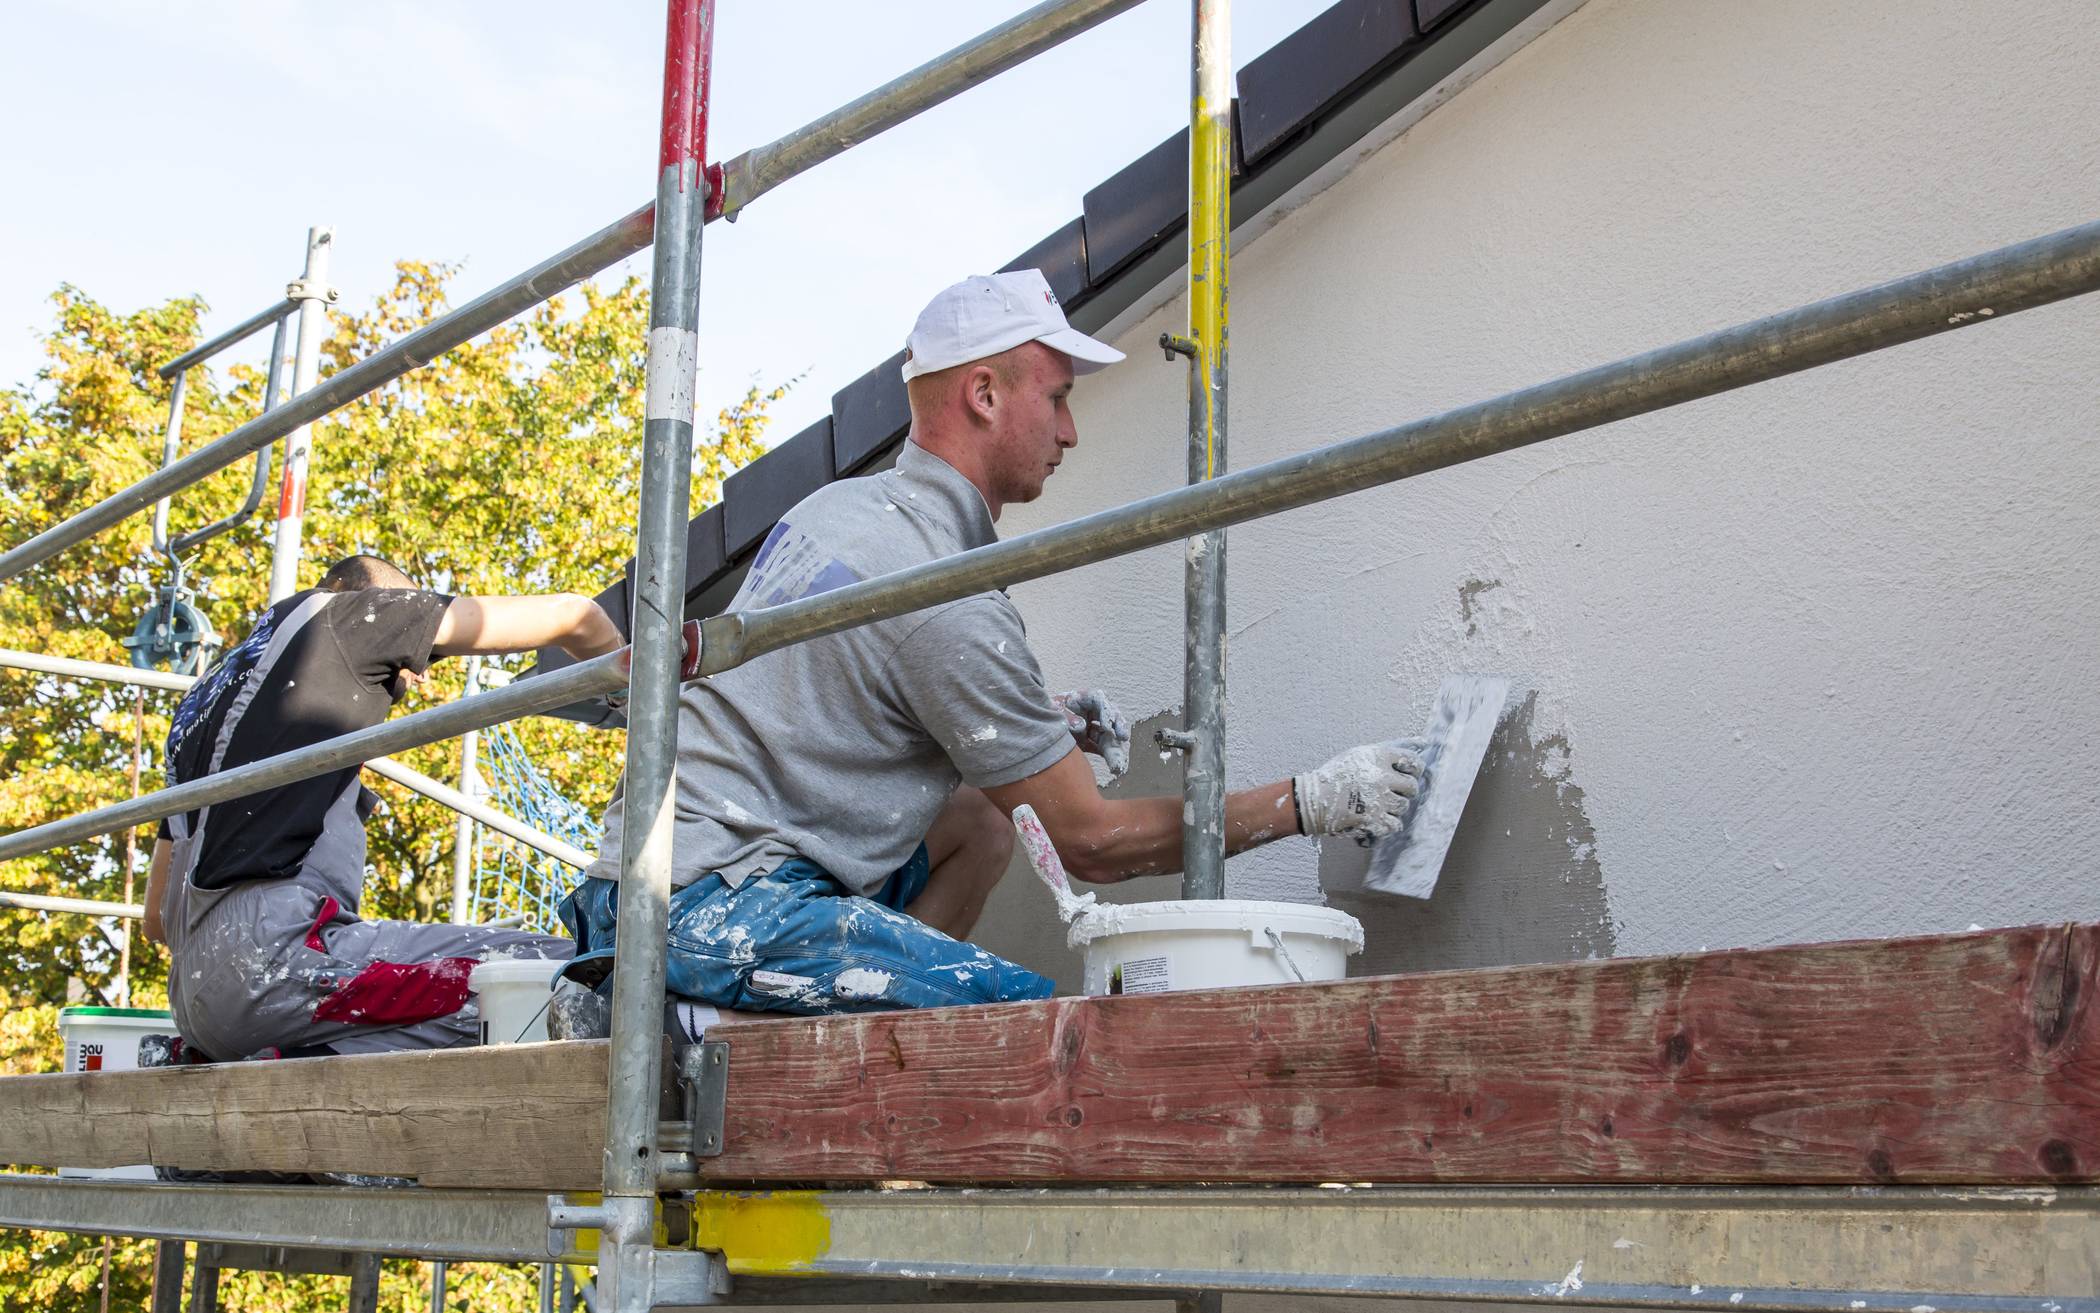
column 1364, row 793
column 1097, row 726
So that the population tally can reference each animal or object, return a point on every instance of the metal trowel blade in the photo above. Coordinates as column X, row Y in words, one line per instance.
column 1408, row 861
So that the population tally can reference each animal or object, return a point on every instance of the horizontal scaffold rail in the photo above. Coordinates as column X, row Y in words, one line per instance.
column 72, row 906
column 1970, row 1059
column 744, row 179
column 1889, row 1250
column 240, row 332
column 414, row 780
column 1980, row 289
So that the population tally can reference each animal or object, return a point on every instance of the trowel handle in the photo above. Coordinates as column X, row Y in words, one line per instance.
column 1042, row 854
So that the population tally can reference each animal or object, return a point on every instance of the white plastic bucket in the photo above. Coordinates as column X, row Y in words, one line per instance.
column 1150, row 948
column 513, row 992
column 107, row 1039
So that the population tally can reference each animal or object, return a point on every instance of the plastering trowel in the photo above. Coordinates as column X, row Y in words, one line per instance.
column 1407, row 861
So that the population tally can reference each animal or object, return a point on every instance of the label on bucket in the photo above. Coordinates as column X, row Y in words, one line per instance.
column 1142, row 975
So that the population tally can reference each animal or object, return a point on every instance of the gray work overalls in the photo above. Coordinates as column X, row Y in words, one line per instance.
column 253, row 964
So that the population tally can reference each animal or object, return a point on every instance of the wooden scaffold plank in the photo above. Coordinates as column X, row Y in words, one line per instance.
column 1965, row 1059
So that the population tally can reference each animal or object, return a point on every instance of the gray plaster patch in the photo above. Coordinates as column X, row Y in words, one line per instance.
column 1469, row 601
column 1522, row 882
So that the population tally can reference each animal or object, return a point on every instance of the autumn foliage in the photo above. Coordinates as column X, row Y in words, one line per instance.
column 509, row 465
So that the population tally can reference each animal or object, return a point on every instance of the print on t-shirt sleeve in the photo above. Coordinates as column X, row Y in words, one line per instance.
column 970, row 681
column 791, row 566
column 381, row 631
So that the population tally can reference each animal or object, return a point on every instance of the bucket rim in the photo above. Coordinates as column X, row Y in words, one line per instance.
column 516, row 971
column 1105, row 920
column 66, row 1014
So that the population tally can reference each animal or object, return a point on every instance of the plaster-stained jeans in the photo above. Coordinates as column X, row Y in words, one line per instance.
column 793, row 940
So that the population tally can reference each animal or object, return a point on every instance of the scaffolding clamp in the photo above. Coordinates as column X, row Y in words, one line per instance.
column 1174, row 345
column 307, row 289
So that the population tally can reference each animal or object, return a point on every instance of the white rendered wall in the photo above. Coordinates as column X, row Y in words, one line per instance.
column 1814, row 660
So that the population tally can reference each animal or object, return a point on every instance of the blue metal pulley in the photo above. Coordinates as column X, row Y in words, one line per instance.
column 174, row 634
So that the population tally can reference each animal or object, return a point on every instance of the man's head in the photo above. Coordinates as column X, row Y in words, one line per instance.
column 989, row 367
column 355, row 572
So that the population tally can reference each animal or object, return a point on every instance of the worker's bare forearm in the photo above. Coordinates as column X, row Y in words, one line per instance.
column 156, row 889
column 1142, row 836
column 1104, row 840
column 497, row 626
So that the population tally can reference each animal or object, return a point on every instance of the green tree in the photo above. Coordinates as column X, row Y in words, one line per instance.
column 509, row 465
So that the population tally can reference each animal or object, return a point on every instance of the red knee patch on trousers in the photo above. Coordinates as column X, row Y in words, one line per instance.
column 329, row 907
column 399, row 993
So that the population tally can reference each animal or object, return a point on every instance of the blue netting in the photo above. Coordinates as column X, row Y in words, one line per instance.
column 510, row 879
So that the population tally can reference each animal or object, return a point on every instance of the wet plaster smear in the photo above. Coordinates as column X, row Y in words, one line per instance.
column 1807, row 661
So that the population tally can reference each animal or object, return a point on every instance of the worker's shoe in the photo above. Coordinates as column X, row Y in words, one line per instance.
column 579, row 1013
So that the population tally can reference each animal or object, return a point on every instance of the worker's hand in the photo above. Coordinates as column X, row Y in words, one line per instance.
column 1364, row 793
column 1097, row 726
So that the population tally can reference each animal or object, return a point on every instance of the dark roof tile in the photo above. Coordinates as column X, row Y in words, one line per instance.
column 757, row 495
column 1062, row 258
column 1429, row 13
column 868, row 415
column 1131, row 211
column 1286, row 87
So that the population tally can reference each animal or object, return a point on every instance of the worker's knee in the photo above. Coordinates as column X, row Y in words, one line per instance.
column 990, row 836
column 970, row 840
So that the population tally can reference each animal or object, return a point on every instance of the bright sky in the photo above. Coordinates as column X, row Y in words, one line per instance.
column 151, row 150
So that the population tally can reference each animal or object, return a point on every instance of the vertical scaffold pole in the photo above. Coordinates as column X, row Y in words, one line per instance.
column 463, row 834
column 627, row 1262
column 1210, row 235
column 314, row 296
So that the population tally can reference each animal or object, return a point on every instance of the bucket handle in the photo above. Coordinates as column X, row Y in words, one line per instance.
column 1276, row 941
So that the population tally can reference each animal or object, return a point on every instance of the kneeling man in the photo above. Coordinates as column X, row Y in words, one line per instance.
column 841, row 804
column 257, row 898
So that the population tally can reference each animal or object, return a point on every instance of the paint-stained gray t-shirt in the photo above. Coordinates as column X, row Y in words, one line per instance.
column 843, row 749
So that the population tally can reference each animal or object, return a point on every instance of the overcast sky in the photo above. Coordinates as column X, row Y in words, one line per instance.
column 151, row 150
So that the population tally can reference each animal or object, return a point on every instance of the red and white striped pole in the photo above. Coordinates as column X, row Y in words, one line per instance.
column 314, row 296
column 628, row 1264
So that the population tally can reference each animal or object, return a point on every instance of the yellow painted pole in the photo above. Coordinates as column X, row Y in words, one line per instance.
column 1210, row 234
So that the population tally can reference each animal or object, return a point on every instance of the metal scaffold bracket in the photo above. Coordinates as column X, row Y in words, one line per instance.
column 703, row 1078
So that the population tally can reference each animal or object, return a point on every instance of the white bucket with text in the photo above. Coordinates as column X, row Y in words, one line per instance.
column 1150, row 948
column 107, row 1039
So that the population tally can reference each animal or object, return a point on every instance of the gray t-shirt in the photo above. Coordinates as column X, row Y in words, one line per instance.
column 843, row 749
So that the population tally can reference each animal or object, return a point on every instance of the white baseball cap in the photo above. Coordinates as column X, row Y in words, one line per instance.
column 989, row 313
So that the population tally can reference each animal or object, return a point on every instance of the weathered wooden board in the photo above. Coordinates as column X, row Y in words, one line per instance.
column 1966, row 1058
column 529, row 1116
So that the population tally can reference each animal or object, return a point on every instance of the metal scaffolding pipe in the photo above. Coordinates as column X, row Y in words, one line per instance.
column 247, row 328
column 415, row 780
column 1967, row 292
column 314, row 295
column 259, row 483
column 1019, row 39
column 1203, row 571
column 475, row 809
column 759, row 171
column 74, row 669
column 84, row 906
column 527, row 697
column 598, row 251
column 627, row 1268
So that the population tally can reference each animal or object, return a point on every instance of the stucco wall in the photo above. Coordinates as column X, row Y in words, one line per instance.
column 1808, row 661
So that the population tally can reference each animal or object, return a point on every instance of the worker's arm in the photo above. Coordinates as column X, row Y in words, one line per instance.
column 156, row 887
column 495, row 626
column 1366, row 791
